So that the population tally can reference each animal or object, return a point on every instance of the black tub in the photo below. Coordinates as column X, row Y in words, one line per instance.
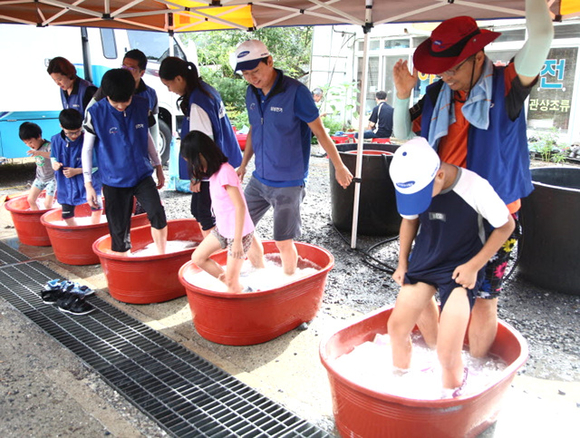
column 377, row 214
column 551, row 238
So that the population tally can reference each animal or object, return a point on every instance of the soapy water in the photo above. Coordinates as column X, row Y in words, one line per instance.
column 171, row 247
column 81, row 221
column 40, row 204
column 370, row 365
column 270, row 277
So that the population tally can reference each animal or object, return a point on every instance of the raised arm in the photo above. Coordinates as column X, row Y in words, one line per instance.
column 530, row 59
column 404, row 84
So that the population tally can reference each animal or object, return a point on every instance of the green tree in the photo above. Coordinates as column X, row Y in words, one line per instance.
column 290, row 47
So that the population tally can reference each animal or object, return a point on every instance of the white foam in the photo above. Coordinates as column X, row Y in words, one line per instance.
column 171, row 247
column 80, row 221
column 370, row 365
column 271, row 277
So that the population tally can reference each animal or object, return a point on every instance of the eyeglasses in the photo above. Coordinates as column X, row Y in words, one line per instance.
column 453, row 71
column 73, row 133
column 131, row 69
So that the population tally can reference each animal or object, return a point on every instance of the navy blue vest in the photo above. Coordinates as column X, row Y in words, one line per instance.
column 499, row 153
column 71, row 191
column 122, row 149
column 75, row 100
column 280, row 140
column 223, row 133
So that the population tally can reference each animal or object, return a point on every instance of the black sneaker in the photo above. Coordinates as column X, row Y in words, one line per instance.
column 50, row 296
column 74, row 304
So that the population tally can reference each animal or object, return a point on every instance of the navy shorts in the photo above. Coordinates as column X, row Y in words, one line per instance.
column 68, row 210
column 286, row 203
column 444, row 284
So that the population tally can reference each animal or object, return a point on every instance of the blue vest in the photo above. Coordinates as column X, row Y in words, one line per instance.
column 499, row 153
column 280, row 140
column 122, row 149
column 75, row 100
column 70, row 191
column 223, row 133
column 148, row 93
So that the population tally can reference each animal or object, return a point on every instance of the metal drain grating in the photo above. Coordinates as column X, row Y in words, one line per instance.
column 9, row 255
column 187, row 395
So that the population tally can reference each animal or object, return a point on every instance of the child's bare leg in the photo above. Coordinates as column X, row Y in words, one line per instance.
column 96, row 216
column 70, row 221
column 201, row 258
column 232, row 275
column 32, row 197
column 256, row 253
column 160, row 239
column 411, row 301
column 48, row 201
column 452, row 328
column 428, row 323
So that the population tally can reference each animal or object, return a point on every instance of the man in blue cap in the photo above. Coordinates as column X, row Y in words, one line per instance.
column 282, row 117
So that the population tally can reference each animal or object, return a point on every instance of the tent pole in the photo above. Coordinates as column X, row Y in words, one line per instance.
column 359, row 151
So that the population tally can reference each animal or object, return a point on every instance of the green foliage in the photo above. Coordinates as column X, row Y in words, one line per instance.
column 333, row 124
column 290, row 48
column 547, row 145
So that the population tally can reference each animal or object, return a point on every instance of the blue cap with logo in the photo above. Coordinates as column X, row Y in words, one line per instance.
column 249, row 54
column 413, row 171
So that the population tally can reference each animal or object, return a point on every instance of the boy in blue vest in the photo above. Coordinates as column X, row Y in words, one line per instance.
column 443, row 207
column 282, row 117
column 66, row 153
column 31, row 134
column 126, row 155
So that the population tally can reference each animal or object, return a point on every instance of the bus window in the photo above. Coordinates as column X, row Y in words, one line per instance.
column 155, row 45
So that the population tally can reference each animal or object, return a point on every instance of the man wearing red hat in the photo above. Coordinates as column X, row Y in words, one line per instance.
column 474, row 118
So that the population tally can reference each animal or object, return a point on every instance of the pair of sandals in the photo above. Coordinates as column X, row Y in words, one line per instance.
column 68, row 296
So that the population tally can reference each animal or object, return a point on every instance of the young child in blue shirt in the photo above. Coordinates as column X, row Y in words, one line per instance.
column 31, row 134
column 66, row 154
column 442, row 207
column 126, row 155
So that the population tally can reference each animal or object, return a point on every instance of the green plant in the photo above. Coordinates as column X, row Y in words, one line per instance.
column 547, row 145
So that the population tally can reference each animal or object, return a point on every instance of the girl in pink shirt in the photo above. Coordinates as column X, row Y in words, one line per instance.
column 234, row 229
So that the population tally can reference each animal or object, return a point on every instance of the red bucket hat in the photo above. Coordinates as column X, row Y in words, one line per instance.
column 450, row 43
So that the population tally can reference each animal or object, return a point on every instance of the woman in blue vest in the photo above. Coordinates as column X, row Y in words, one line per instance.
column 204, row 111
column 75, row 92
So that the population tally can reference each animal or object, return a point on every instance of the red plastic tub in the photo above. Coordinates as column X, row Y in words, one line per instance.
column 255, row 317
column 27, row 222
column 362, row 412
column 74, row 245
column 147, row 279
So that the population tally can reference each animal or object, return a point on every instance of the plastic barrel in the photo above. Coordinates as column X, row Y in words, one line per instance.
column 550, row 241
column 27, row 223
column 377, row 214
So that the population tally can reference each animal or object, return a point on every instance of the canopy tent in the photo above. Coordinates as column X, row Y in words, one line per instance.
column 191, row 16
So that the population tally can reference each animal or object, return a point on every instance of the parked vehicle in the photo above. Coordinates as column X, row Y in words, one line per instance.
column 27, row 92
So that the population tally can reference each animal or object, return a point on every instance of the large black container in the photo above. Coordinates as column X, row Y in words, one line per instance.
column 377, row 214
column 549, row 251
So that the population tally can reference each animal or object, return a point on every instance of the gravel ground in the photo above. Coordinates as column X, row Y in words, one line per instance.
column 547, row 319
